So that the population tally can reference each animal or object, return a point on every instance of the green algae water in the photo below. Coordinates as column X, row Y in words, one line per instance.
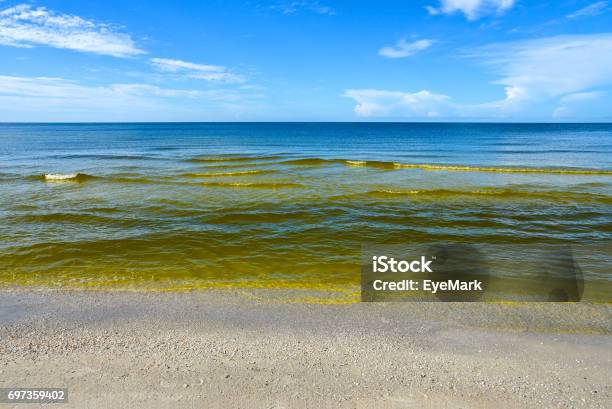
column 286, row 205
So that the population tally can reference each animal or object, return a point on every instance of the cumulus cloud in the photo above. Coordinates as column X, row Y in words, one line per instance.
column 594, row 9
column 555, row 75
column 27, row 26
column 471, row 9
column 215, row 73
column 404, row 48
column 382, row 103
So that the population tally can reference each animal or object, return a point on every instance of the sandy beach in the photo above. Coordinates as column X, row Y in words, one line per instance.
column 252, row 349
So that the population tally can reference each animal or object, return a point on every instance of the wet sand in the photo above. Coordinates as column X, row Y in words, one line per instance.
column 253, row 349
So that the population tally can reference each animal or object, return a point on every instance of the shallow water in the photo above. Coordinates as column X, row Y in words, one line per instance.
column 285, row 205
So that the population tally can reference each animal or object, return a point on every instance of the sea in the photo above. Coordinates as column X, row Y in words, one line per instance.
column 287, row 205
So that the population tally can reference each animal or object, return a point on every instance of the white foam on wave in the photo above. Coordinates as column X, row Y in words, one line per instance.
column 358, row 163
column 61, row 176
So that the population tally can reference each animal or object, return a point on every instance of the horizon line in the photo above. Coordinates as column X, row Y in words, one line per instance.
column 304, row 122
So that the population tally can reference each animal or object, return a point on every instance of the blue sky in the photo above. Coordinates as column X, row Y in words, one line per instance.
column 433, row 60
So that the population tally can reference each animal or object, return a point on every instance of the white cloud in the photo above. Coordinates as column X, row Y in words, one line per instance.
column 550, row 68
column 25, row 26
column 166, row 64
column 594, row 9
column 472, row 9
column 70, row 92
column 581, row 96
column 569, row 102
column 552, row 76
column 381, row 103
column 214, row 73
column 405, row 49
column 293, row 7
column 133, row 90
column 58, row 99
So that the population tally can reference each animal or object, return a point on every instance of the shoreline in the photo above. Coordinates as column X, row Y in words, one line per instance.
column 254, row 349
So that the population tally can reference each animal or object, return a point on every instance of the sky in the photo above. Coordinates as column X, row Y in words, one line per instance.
column 302, row 60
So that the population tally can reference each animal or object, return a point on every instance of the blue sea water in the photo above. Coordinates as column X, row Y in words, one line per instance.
column 538, row 145
column 226, row 203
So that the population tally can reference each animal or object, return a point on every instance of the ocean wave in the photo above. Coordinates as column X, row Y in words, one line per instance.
column 78, row 177
column 263, row 217
column 370, row 164
column 235, row 165
column 228, row 174
column 231, row 158
column 388, row 165
column 134, row 180
column 311, row 162
column 76, row 218
column 592, row 184
column 254, row 185
column 503, row 169
column 66, row 177
column 106, row 157
column 494, row 193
